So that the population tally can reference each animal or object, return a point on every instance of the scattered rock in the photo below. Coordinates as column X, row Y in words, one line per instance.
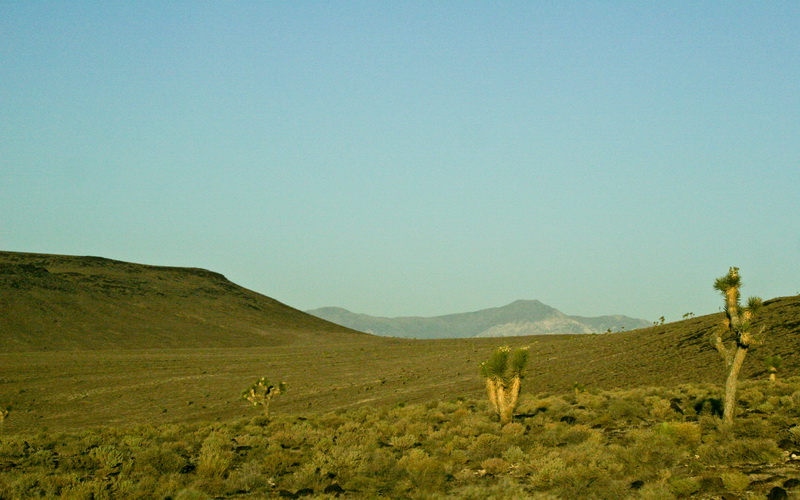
column 777, row 493
column 791, row 483
column 334, row 488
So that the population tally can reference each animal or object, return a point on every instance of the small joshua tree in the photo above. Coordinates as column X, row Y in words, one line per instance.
column 503, row 373
column 736, row 327
column 262, row 392
column 774, row 364
column 3, row 415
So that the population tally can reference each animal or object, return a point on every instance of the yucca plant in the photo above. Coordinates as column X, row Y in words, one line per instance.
column 737, row 331
column 3, row 415
column 773, row 363
column 262, row 392
column 503, row 372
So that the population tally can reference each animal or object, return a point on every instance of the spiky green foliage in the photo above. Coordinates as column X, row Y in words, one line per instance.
column 774, row 364
column 729, row 281
column 503, row 372
column 518, row 362
column 738, row 327
column 496, row 365
column 262, row 392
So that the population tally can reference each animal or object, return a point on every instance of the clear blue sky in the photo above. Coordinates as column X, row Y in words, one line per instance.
column 413, row 158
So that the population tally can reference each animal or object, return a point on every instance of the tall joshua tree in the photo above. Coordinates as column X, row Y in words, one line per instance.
column 262, row 392
column 503, row 373
column 735, row 336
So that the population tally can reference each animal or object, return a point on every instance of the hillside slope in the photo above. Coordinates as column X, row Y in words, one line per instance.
column 58, row 302
column 173, row 385
column 522, row 317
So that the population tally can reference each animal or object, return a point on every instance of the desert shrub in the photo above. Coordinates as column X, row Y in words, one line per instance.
column 443, row 449
column 494, row 466
column 503, row 488
column 625, row 410
column 684, row 486
column 160, row 459
column 647, row 451
column 215, row 456
column 514, row 455
column 750, row 397
column 405, row 442
column 731, row 452
column 474, row 425
column 424, row 471
column 655, row 491
column 548, row 408
column 306, row 476
column 735, row 482
column 747, row 427
column 278, row 462
column 660, row 409
column 341, row 461
column 172, row 433
column 682, row 433
column 108, row 459
column 192, row 494
column 593, row 402
column 485, row 446
column 794, row 433
column 584, row 471
column 580, row 433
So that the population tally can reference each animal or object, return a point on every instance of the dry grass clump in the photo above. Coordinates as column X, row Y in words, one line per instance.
column 642, row 443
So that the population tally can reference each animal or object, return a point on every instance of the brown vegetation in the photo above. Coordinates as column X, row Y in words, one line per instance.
column 103, row 380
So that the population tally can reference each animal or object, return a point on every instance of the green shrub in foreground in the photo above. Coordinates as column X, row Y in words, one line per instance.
column 449, row 449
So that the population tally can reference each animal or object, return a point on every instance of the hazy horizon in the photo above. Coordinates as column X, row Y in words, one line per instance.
column 414, row 158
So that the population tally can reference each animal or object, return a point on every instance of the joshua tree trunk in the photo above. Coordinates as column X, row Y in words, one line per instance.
column 511, row 400
column 491, row 388
column 731, row 384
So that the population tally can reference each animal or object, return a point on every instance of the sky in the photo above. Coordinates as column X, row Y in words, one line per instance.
column 413, row 158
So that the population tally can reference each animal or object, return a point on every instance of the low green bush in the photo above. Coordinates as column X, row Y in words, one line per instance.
column 615, row 444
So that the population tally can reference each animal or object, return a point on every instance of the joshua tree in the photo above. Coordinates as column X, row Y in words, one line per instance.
column 503, row 373
column 262, row 392
column 737, row 326
column 3, row 415
column 774, row 364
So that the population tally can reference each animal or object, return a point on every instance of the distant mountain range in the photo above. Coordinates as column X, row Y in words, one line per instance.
column 523, row 317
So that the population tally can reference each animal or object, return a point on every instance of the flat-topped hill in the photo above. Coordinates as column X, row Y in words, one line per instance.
column 133, row 343
column 55, row 302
